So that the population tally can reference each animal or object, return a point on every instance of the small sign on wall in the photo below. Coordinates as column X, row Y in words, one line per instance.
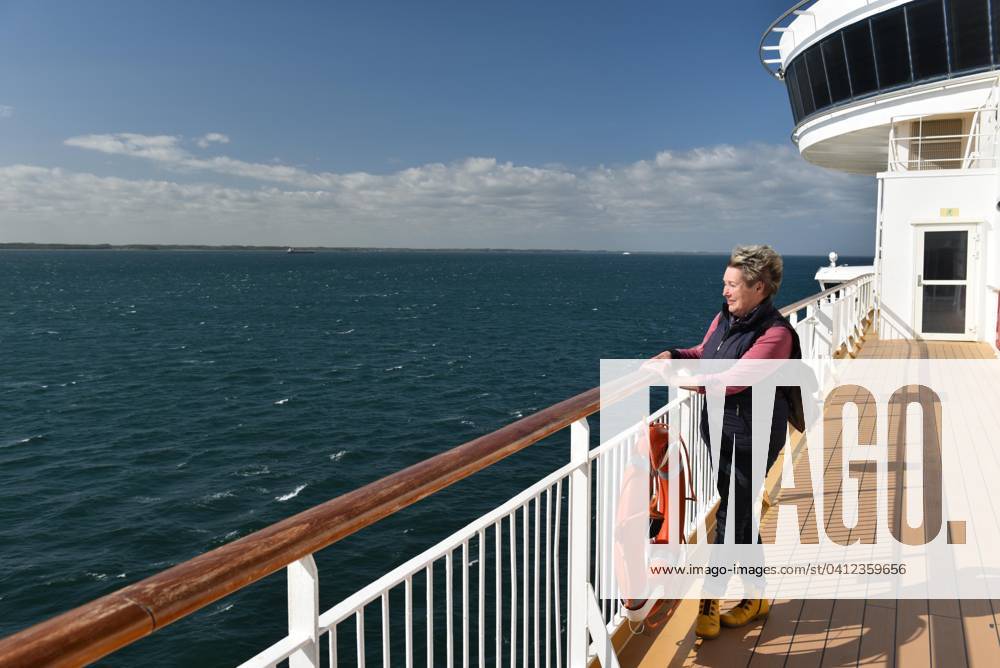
column 949, row 213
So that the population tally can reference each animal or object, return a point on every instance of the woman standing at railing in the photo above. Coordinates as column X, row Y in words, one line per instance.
column 748, row 326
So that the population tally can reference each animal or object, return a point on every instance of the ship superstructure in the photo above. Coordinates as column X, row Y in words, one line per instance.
column 907, row 92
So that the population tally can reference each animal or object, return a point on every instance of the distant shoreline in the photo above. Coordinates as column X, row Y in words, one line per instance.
column 330, row 249
column 343, row 249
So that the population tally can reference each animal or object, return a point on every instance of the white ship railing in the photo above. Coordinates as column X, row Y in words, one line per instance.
column 513, row 587
column 532, row 600
column 769, row 49
column 976, row 149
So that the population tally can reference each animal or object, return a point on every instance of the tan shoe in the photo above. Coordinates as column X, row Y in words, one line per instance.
column 707, row 626
column 745, row 612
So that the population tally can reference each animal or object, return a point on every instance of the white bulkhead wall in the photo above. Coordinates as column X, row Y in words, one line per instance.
column 912, row 201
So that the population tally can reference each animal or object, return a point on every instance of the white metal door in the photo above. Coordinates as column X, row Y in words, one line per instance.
column 944, row 266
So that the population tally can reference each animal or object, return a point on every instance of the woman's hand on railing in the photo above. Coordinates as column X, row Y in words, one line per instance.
column 653, row 366
column 671, row 377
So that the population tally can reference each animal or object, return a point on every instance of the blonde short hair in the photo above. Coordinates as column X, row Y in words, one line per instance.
column 758, row 263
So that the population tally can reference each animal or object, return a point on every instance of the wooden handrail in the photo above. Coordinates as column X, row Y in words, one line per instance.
column 98, row 628
column 95, row 629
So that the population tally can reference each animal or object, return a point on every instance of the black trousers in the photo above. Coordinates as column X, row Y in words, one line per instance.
column 736, row 462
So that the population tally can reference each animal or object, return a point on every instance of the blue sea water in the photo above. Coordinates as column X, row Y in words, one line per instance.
column 155, row 405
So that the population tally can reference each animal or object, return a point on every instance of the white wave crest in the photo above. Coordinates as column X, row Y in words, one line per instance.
column 253, row 470
column 291, row 495
column 23, row 441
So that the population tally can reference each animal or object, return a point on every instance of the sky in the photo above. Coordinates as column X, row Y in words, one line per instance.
column 637, row 125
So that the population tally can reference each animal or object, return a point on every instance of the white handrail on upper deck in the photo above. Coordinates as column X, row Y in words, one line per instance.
column 978, row 147
column 776, row 28
column 530, row 543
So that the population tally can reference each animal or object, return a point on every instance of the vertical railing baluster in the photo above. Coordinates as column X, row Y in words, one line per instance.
column 809, row 349
column 611, row 459
column 680, row 421
column 303, row 610
column 556, row 564
column 620, row 452
column 612, row 514
column 386, row 658
column 608, row 511
column 481, row 601
column 408, row 603
column 498, row 598
column 465, row 604
column 600, row 468
column 359, row 629
column 449, row 611
column 513, row 589
column 835, row 338
column 525, row 577
column 548, row 577
column 579, row 544
column 537, row 555
column 622, row 459
column 855, row 307
column 600, row 533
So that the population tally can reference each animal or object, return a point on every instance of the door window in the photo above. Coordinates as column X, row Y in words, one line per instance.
column 944, row 285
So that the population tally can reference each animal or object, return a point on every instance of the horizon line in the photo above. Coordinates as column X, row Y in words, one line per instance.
column 13, row 245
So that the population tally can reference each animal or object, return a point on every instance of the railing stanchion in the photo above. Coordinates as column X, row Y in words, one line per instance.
column 303, row 611
column 579, row 548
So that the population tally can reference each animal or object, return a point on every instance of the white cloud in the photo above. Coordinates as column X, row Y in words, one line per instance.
column 703, row 199
column 162, row 148
column 6, row 111
column 167, row 149
column 212, row 138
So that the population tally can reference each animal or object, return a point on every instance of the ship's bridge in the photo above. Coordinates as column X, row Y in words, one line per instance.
column 859, row 72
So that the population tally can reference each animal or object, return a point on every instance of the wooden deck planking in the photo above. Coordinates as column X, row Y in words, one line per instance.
column 776, row 634
column 847, row 628
column 723, row 650
column 979, row 629
column 809, row 640
column 878, row 639
column 947, row 639
column 783, row 633
column 913, row 646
